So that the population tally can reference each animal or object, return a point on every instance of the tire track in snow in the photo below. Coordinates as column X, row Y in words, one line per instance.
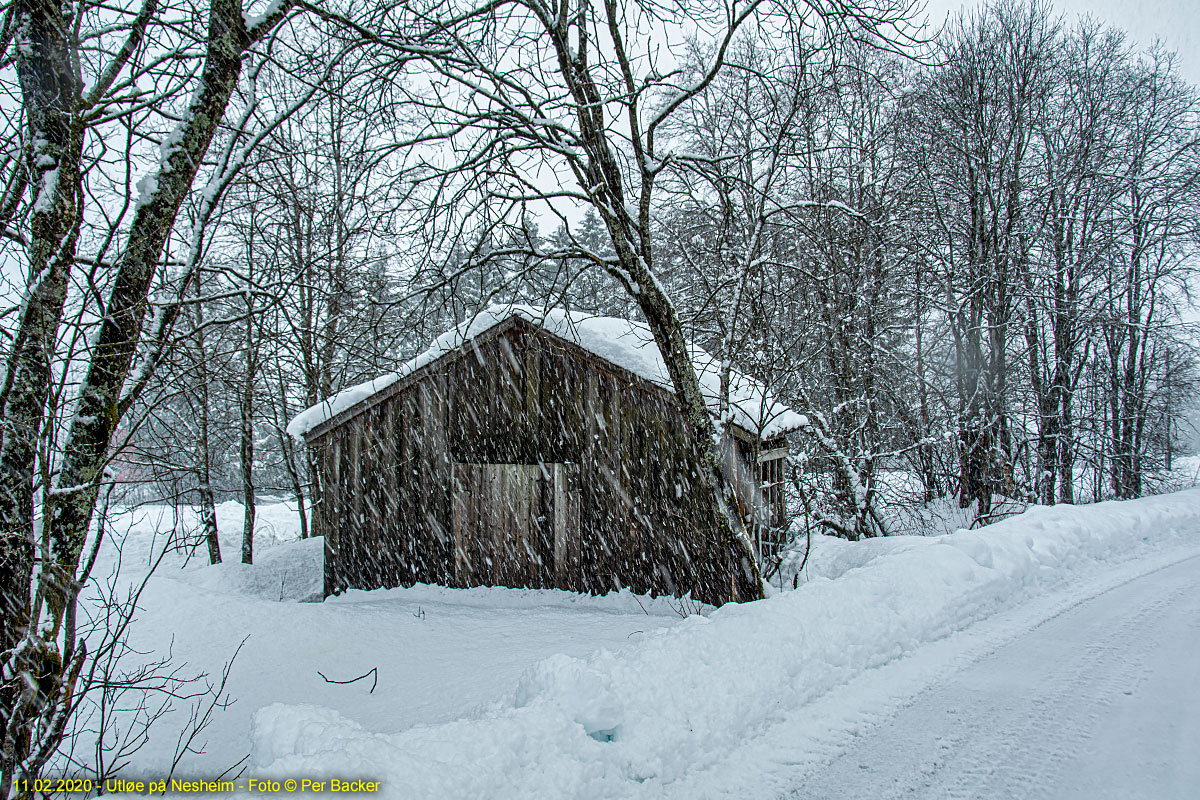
column 1006, row 725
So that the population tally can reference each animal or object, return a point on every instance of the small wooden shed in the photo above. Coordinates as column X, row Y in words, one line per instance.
column 533, row 448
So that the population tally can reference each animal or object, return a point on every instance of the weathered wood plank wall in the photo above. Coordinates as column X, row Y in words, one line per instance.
column 598, row 454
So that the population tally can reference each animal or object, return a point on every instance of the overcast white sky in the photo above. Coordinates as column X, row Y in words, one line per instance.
column 1175, row 22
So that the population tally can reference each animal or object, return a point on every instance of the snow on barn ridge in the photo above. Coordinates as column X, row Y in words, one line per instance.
column 625, row 343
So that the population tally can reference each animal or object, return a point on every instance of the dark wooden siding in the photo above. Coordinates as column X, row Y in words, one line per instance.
column 516, row 525
column 520, row 396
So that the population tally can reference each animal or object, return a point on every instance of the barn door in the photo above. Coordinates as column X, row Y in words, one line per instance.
column 514, row 524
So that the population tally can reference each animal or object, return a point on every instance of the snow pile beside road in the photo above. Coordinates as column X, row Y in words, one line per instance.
column 631, row 722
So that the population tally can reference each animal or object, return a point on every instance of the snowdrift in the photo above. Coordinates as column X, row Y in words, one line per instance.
column 631, row 722
column 288, row 571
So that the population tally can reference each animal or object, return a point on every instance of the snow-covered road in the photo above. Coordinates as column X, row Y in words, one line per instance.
column 1101, row 700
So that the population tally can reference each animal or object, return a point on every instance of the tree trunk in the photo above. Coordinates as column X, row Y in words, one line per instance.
column 246, row 452
column 734, row 565
column 208, row 520
column 288, row 449
column 92, row 428
column 50, row 93
column 930, row 485
column 53, row 151
column 1066, row 453
column 208, row 505
column 975, row 440
column 246, row 405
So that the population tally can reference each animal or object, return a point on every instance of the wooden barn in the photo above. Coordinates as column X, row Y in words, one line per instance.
column 533, row 448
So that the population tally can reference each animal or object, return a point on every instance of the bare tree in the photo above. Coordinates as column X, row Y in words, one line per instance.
column 1160, row 189
column 976, row 121
column 1079, row 138
column 100, row 88
column 581, row 93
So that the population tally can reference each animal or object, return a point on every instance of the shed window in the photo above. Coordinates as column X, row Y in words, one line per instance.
column 773, row 530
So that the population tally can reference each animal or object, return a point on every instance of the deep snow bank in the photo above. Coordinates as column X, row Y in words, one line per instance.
column 632, row 721
column 289, row 571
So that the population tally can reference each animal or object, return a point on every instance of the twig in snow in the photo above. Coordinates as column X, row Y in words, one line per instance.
column 373, row 670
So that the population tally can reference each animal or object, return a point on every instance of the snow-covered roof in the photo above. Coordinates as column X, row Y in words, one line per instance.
column 625, row 343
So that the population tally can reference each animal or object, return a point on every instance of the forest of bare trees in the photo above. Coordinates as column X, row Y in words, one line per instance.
column 969, row 268
column 964, row 253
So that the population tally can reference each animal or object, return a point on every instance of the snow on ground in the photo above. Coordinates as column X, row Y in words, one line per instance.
column 440, row 653
column 1184, row 474
column 508, row 693
column 638, row 721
